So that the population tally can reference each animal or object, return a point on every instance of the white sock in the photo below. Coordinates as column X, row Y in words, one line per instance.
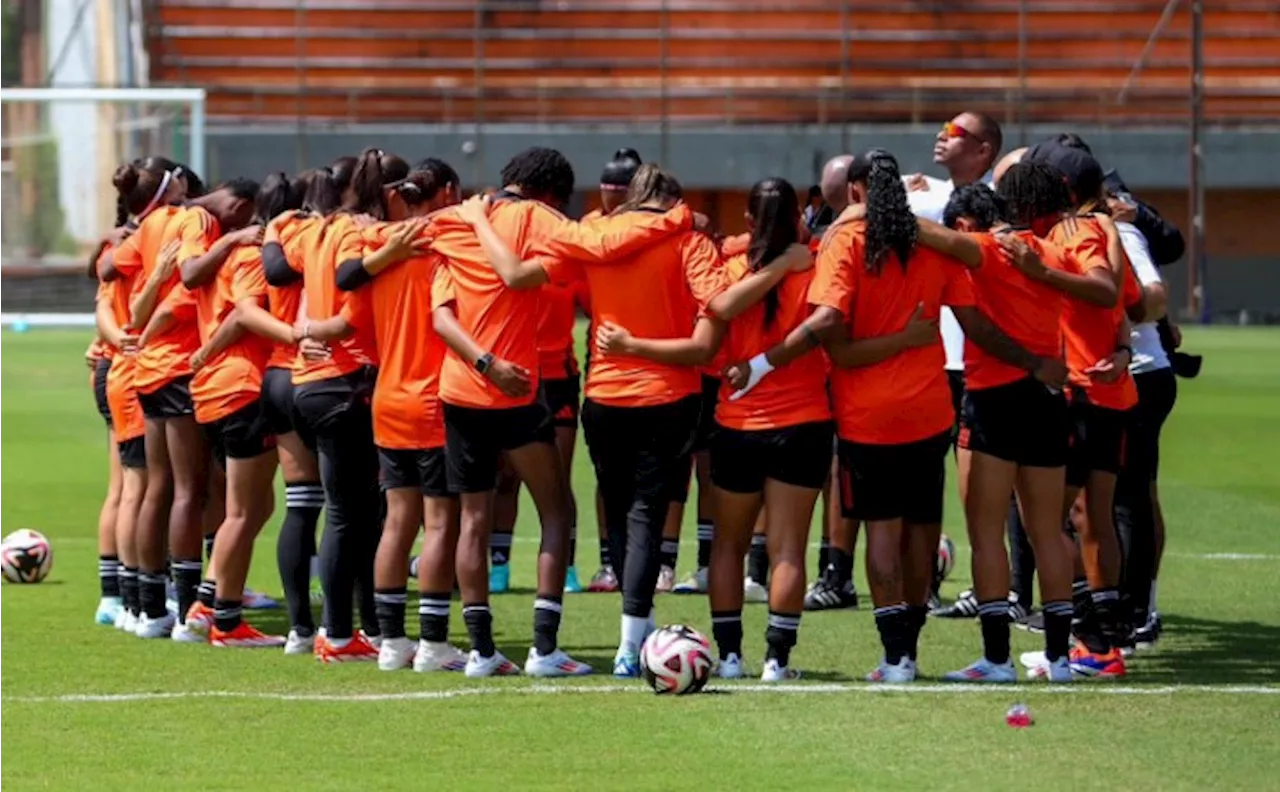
column 634, row 629
column 315, row 566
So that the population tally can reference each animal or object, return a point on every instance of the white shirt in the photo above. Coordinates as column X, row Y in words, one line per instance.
column 1148, row 352
column 930, row 204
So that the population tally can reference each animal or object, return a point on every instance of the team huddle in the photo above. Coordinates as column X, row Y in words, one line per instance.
column 406, row 359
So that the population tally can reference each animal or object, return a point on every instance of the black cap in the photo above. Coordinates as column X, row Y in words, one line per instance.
column 1081, row 170
column 619, row 170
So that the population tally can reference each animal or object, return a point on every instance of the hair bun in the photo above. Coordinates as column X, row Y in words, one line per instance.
column 125, row 179
column 627, row 153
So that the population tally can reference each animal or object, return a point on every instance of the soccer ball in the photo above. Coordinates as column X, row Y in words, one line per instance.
column 676, row 659
column 25, row 557
column 946, row 560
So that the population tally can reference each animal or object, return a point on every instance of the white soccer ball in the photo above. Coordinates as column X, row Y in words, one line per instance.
column 25, row 557
column 946, row 560
column 676, row 659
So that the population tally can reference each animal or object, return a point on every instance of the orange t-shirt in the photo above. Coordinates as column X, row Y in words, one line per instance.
column 906, row 398
column 794, row 394
column 655, row 289
column 1028, row 312
column 167, row 357
column 734, row 245
column 1091, row 332
column 295, row 232
column 396, row 306
column 231, row 379
column 127, row 421
column 335, row 241
column 556, row 359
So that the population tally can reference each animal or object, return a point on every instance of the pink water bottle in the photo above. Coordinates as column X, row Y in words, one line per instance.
column 1019, row 716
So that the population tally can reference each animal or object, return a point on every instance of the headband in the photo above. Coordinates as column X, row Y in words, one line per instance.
column 155, row 199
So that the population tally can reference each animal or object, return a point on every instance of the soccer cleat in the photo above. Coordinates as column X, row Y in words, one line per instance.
column 1092, row 664
column 753, row 591
column 396, row 653
column 604, row 581
column 199, row 618
column 170, row 598
column 185, row 633
column 666, row 580
column 256, row 600
column 778, row 673
column 129, row 623
column 826, row 594
column 1017, row 611
column 159, row 627
column 1146, row 636
column 556, row 664
column 244, row 636
column 356, row 650
column 900, row 674
column 730, row 667
column 1039, row 667
column 694, row 584
column 965, row 607
column 438, row 657
column 626, row 664
column 934, row 602
column 299, row 644
column 109, row 610
column 496, row 665
column 413, row 567
column 571, row 583
column 499, row 578
column 983, row 670
column 1033, row 622
column 373, row 640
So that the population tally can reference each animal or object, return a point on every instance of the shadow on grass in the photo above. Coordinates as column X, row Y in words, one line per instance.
column 1197, row 651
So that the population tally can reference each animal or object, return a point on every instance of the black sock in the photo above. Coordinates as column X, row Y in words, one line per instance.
column 573, row 545
column 208, row 546
column 390, row 603
column 994, row 616
column 1087, row 619
column 109, row 575
column 186, row 577
column 205, row 592
column 1022, row 559
column 295, row 547
column 151, row 593
column 500, row 548
column 546, row 624
column 781, row 636
column 706, row 530
column 726, row 628
column 824, row 555
column 606, row 557
column 129, row 589
column 841, row 565
column 670, row 554
column 917, row 615
column 226, row 614
column 480, row 627
column 433, row 616
column 758, row 559
column 891, row 621
column 1057, row 629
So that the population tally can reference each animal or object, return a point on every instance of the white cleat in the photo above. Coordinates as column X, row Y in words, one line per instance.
column 754, row 592
column 108, row 611
column 297, row 644
column 130, row 623
column 159, row 627
column 556, row 664
column 396, row 653
column 374, row 640
column 900, row 674
column 730, row 667
column 438, row 657
column 496, row 665
column 983, row 670
column 778, row 673
column 186, row 633
column 694, row 584
column 1039, row 667
column 121, row 616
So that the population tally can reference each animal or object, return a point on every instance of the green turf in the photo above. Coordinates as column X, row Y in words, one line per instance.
column 1221, row 495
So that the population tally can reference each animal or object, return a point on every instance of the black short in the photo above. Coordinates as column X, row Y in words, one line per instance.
column 560, row 397
column 1157, row 392
column 241, row 435
column 1097, row 440
column 133, row 453
column 100, row 369
column 279, row 408
column 421, row 469
column 886, row 482
column 1022, row 422
column 474, row 439
column 707, row 417
column 955, row 379
column 324, row 406
column 171, row 400
column 797, row 455
column 641, row 445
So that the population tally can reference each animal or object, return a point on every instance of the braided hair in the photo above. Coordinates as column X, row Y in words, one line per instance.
column 891, row 225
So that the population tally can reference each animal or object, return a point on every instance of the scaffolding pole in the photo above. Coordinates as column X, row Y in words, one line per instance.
column 1197, row 295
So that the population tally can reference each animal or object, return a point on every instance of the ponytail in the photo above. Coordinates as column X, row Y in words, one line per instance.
column 891, row 225
column 651, row 184
column 374, row 170
column 775, row 212
column 277, row 195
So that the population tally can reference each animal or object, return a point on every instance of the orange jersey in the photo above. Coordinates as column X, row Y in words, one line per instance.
column 906, row 398
column 126, row 414
column 100, row 349
column 1091, row 332
column 231, row 379
column 337, row 240
column 1028, row 312
column 396, row 306
column 294, row 230
column 556, row 359
column 167, row 356
column 734, row 245
column 792, row 395
column 656, row 287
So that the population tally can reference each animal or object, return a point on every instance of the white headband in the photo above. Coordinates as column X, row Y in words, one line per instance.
column 164, row 185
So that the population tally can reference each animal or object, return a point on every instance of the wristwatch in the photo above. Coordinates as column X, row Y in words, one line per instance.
column 484, row 362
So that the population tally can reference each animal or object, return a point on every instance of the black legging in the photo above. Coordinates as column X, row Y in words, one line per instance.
column 337, row 412
column 639, row 457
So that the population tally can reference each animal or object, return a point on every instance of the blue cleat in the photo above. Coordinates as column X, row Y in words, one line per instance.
column 109, row 609
column 626, row 665
column 571, row 583
column 499, row 578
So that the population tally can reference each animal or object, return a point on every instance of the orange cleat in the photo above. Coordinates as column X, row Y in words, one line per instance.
column 358, row 649
column 244, row 636
column 199, row 618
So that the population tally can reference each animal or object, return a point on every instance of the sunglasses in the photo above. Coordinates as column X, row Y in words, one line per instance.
column 953, row 130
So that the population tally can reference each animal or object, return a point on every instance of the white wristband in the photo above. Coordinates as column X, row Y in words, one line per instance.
column 760, row 363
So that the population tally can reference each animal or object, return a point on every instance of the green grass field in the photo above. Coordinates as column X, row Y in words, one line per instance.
column 86, row 707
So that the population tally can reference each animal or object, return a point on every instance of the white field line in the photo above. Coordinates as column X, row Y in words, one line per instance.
column 1084, row 689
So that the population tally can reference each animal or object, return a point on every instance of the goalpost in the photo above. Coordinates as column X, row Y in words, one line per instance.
column 60, row 148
